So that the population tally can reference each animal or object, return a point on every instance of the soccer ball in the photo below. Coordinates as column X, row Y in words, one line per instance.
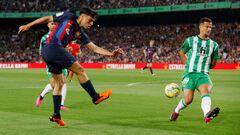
column 172, row 90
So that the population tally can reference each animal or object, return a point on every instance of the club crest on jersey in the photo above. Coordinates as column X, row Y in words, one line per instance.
column 203, row 51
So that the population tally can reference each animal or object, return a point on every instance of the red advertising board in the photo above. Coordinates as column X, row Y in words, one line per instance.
column 167, row 66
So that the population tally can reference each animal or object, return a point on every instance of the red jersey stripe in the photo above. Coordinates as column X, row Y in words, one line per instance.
column 64, row 30
column 51, row 34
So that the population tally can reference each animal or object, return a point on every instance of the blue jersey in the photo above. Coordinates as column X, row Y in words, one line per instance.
column 66, row 30
column 149, row 52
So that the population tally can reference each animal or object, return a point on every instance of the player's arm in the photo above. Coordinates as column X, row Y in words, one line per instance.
column 102, row 51
column 213, row 64
column 69, row 49
column 38, row 21
column 184, row 49
column 154, row 52
column 183, row 56
column 215, row 56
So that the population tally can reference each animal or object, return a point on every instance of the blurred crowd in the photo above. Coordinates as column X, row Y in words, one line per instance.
column 133, row 39
column 19, row 48
column 58, row 5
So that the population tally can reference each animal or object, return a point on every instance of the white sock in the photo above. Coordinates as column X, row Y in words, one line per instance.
column 47, row 89
column 181, row 105
column 64, row 93
column 206, row 104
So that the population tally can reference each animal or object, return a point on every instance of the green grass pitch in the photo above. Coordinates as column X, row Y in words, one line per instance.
column 138, row 105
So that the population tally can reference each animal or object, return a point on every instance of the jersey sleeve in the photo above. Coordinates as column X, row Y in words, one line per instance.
column 215, row 55
column 186, row 46
column 83, row 38
column 62, row 16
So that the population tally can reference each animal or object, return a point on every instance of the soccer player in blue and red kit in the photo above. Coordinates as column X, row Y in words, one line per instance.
column 149, row 54
column 68, row 28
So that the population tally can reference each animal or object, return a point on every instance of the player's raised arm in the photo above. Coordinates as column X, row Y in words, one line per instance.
column 102, row 51
column 38, row 21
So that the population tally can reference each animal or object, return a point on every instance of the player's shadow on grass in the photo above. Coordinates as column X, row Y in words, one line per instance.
column 149, row 122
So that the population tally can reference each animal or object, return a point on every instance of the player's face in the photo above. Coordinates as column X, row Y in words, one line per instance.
column 86, row 21
column 51, row 26
column 205, row 28
column 151, row 43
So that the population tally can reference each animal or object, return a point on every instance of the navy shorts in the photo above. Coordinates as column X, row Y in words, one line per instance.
column 57, row 58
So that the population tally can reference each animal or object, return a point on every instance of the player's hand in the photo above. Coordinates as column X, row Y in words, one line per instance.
column 69, row 49
column 23, row 28
column 117, row 51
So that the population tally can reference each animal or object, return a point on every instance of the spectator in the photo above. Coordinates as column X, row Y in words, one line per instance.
column 169, row 38
column 50, row 5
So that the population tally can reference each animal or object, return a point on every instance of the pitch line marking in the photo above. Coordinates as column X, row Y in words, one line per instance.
column 139, row 83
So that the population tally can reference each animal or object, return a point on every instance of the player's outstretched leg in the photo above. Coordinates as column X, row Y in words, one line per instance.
column 181, row 105
column 96, row 98
column 87, row 84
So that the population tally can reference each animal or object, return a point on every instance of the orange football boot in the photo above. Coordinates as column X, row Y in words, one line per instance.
column 59, row 121
column 104, row 95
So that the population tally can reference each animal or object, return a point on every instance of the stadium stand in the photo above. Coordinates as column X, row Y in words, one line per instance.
column 57, row 5
column 168, row 32
column 24, row 48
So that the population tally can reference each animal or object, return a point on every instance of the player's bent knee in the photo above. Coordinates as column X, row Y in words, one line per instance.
column 205, row 90
column 188, row 100
column 80, row 71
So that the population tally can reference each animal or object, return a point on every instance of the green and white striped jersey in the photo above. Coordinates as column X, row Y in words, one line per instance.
column 43, row 42
column 200, row 53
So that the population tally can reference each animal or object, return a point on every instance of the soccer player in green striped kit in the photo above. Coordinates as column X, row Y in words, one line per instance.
column 49, row 87
column 202, row 55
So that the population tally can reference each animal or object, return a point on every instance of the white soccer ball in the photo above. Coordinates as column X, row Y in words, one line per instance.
column 172, row 90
